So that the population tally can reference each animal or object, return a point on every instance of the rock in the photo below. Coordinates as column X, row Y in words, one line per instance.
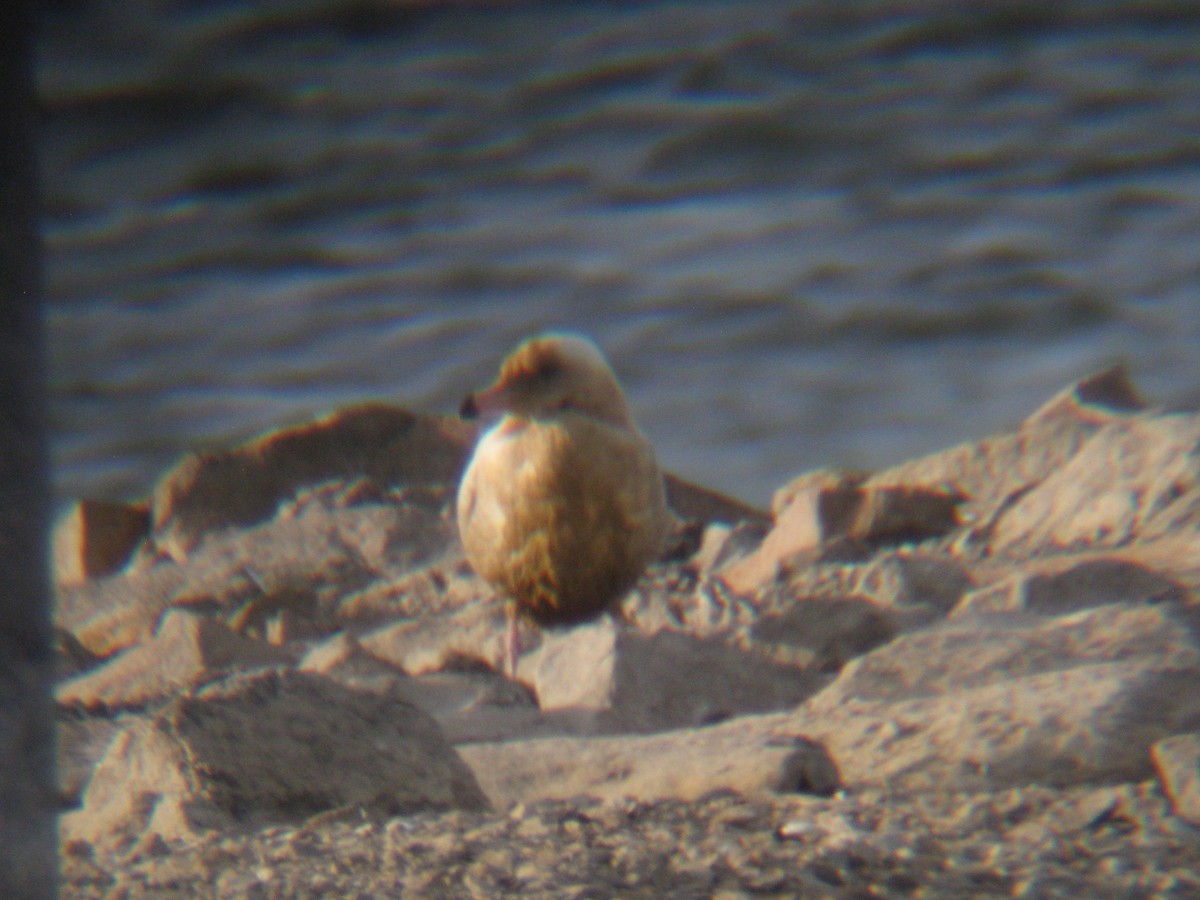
column 80, row 742
column 343, row 654
column 798, row 526
column 295, row 570
column 468, row 705
column 1083, row 809
column 824, row 633
column 995, row 703
column 996, row 471
column 397, row 532
column 472, row 635
column 825, row 614
column 633, row 682
column 1127, row 476
column 96, row 537
column 1064, row 585
column 298, row 566
column 1098, row 398
column 71, row 656
column 713, row 541
column 885, row 516
column 428, row 591
column 965, row 653
column 722, row 545
column 749, row 755
column 1065, row 728
column 264, row 748
column 834, row 508
column 188, row 649
column 106, row 615
column 691, row 501
column 386, row 444
column 917, row 588
column 1177, row 760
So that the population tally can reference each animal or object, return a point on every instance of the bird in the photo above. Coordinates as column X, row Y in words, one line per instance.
column 562, row 505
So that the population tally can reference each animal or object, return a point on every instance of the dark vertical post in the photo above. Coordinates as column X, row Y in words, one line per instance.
column 28, row 861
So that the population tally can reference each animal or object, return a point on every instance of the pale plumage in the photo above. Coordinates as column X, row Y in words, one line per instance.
column 561, row 507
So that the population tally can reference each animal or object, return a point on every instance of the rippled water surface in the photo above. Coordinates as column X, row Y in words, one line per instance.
column 807, row 234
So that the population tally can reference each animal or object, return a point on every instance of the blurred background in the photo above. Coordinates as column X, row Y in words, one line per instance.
column 806, row 233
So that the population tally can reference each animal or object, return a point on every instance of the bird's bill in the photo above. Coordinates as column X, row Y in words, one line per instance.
column 485, row 404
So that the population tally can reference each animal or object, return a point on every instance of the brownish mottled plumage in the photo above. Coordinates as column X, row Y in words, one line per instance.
column 562, row 506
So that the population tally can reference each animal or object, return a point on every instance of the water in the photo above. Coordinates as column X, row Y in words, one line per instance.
column 806, row 234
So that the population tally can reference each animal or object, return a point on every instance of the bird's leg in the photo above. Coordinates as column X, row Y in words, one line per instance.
column 512, row 640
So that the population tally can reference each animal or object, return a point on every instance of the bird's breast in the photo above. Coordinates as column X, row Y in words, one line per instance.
column 561, row 515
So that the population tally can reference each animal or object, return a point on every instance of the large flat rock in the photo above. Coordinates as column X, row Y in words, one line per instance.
column 753, row 754
column 260, row 748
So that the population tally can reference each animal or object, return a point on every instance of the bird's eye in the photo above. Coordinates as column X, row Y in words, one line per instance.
column 546, row 371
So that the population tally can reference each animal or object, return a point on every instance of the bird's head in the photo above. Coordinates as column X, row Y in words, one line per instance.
column 550, row 374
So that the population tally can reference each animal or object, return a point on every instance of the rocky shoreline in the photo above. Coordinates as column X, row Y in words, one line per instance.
column 973, row 674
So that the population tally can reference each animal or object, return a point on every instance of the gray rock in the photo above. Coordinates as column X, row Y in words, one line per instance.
column 396, row 532
column 1126, row 476
column 271, row 747
column 918, row 588
column 633, row 682
column 430, row 591
column 96, row 537
column 324, row 547
column 837, row 510
column 995, row 703
column 1177, row 760
column 692, row 501
column 996, row 471
column 1098, row 398
column 80, row 743
column 469, row 705
column 108, row 614
column 470, row 635
column 239, row 487
column 1087, row 724
column 824, row 632
column 750, row 755
column 723, row 545
column 1068, row 584
column 187, row 650
column 824, row 615
column 799, row 526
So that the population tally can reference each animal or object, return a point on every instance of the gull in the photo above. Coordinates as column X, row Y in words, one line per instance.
column 562, row 505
